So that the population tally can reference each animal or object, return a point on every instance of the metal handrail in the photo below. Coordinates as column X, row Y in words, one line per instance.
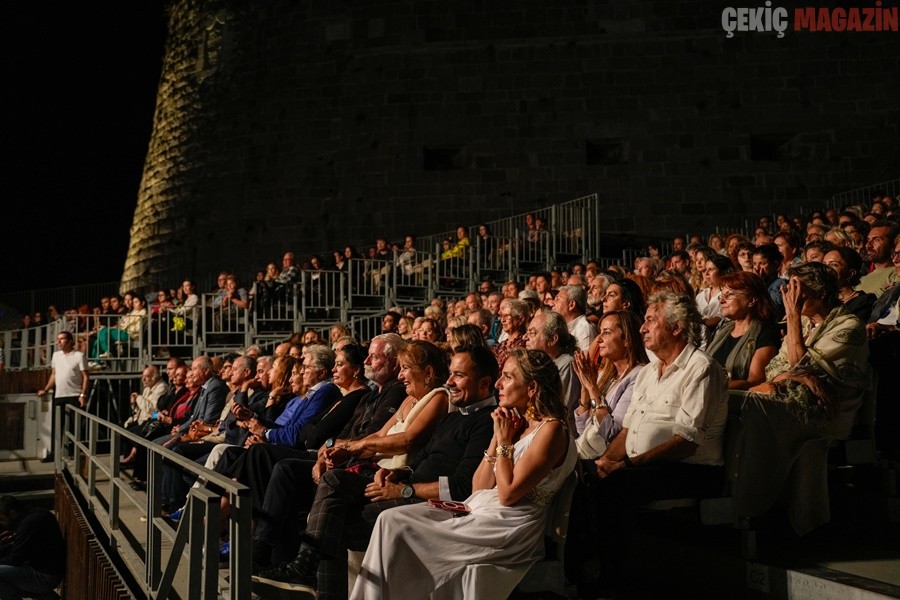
column 864, row 194
column 195, row 542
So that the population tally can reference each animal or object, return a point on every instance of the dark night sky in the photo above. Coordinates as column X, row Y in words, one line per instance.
column 80, row 85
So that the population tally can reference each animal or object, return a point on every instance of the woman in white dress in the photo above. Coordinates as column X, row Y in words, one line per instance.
column 416, row 550
column 708, row 299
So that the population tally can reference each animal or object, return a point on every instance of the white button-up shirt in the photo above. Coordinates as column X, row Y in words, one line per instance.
column 688, row 400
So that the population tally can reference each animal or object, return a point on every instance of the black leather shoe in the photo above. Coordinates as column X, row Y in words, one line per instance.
column 139, row 486
column 298, row 576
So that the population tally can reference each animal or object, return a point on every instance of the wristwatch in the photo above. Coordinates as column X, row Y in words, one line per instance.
column 408, row 491
column 329, row 443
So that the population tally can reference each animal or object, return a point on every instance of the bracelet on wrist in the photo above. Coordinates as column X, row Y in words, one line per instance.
column 504, row 450
column 489, row 458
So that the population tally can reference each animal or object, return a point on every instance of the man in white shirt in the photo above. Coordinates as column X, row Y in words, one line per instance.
column 670, row 445
column 69, row 380
column 571, row 303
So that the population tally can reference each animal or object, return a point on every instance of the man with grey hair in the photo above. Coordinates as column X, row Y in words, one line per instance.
column 597, row 290
column 175, row 482
column 549, row 333
column 493, row 304
column 321, row 393
column 143, row 405
column 571, row 303
column 670, row 445
column 209, row 404
column 577, row 279
column 595, row 294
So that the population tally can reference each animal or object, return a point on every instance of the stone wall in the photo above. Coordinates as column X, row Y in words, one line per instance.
column 306, row 126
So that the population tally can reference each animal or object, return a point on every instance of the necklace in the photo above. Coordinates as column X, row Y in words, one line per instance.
column 844, row 296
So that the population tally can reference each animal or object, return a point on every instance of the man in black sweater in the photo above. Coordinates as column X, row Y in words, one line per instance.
column 347, row 504
column 32, row 550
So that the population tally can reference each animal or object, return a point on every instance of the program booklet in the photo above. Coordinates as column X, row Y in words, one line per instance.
column 458, row 509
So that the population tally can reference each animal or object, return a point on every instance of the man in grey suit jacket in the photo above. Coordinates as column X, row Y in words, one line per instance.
column 208, row 406
column 207, row 409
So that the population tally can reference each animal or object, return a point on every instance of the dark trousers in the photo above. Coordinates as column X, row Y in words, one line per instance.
column 341, row 518
column 60, row 402
column 603, row 510
column 254, row 467
column 288, row 498
column 141, row 458
column 175, row 481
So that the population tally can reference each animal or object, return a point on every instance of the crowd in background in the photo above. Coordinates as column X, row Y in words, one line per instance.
column 792, row 316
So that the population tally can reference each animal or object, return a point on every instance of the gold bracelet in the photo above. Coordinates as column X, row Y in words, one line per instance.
column 505, row 450
column 489, row 458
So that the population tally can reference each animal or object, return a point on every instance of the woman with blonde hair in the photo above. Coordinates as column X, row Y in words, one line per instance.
column 405, row 328
column 452, row 323
column 839, row 237
column 485, row 553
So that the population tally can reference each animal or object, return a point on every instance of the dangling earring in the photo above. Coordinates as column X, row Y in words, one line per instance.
column 530, row 410
column 427, row 381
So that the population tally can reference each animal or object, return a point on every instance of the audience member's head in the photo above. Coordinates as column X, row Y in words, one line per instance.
column 744, row 293
column 817, row 281
column 466, row 335
column 549, row 333
column 880, row 242
column 766, row 261
column 624, row 294
column 847, row 264
column 815, row 251
column 672, row 321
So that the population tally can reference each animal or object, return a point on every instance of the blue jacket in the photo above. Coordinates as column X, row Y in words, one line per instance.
column 300, row 411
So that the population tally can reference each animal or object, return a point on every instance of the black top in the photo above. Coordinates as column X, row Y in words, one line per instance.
column 313, row 435
column 37, row 543
column 768, row 336
column 374, row 410
column 454, row 451
column 861, row 305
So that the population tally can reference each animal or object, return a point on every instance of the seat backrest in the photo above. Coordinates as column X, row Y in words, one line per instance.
column 558, row 521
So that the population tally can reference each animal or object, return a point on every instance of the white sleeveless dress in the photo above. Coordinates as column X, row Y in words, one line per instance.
column 398, row 461
column 416, row 549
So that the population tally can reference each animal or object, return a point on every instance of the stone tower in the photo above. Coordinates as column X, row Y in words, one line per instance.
column 290, row 124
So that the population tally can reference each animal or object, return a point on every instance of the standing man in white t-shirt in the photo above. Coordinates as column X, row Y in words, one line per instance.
column 68, row 379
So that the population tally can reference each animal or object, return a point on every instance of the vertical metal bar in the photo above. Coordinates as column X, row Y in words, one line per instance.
column 154, row 509
column 115, row 449
column 93, row 431
column 239, row 536
column 208, row 549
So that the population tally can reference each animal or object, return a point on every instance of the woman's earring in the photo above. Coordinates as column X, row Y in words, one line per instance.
column 530, row 410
